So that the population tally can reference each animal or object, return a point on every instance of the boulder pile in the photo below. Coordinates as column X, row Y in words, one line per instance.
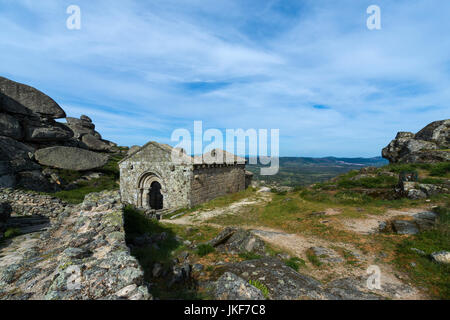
column 429, row 145
column 30, row 137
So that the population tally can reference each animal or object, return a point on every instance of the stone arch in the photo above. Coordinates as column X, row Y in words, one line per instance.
column 144, row 187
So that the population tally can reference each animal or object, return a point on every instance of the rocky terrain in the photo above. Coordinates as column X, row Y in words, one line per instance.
column 31, row 139
column 316, row 242
column 68, row 252
column 431, row 144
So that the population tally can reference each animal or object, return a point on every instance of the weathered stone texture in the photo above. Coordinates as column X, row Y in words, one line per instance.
column 86, row 240
column 431, row 144
column 27, row 125
column 70, row 158
column 20, row 98
column 150, row 164
column 215, row 181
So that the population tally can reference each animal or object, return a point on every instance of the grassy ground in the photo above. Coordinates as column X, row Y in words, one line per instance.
column 351, row 196
column 137, row 224
column 109, row 181
column 298, row 212
column 216, row 203
column 420, row 267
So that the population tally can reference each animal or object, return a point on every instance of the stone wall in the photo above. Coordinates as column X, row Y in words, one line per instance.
column 29, row 203
column 82, row 255
column 155, row 163
column 210, row 182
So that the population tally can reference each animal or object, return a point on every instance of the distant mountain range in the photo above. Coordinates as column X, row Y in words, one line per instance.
column 301, row 171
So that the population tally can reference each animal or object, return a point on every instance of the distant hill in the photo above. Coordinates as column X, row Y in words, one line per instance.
column 302, row 171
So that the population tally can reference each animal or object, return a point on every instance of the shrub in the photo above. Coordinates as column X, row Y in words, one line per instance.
column 249, row 256
column 313, row 258
column 440, row 169
column 11, row 233
column 257, row 284
column 369, row 182
column 108, row 181
column 430, row 181
column 408, row 167
column 205, row 249
column 295, row 263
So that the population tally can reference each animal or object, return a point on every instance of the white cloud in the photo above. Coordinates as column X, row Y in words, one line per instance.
column 125, row 65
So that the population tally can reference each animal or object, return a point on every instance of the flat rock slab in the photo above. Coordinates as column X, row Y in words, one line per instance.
column 405, row 227
column 283, row 282
column 326, row 255
column 20, row 98
column 231, row 287
column 235, row 240
column 70, row 158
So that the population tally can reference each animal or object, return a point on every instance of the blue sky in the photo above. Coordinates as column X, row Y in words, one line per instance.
column 310, row 68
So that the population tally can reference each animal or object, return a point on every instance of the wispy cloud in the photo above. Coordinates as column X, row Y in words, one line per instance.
column 310, row 68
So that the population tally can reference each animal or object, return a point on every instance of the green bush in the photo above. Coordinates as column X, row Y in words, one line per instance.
column 313, row 258
column 249, row 256
column 205, row 249
column 108, row 181
column 430, row 181
column 369, row 182
column 257, row 284
column 11, row 233
column 295, row 263
column 408, row 167
column 440, row 169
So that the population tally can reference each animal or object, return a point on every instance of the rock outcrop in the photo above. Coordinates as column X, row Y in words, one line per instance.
column 80, row 255
column 70, row 158
column 284, row 283
column 231, row 287
column 22, row 99
column 236, row 240
column 431, row 144
column 27, row 126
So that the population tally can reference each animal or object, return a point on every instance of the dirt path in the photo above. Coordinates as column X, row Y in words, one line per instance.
column 199, row 217
column 297, row 245
column 371, row 223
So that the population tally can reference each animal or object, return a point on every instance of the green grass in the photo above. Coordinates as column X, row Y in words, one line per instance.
column 381, row 181
column 313, row 258
column 431, row 181
column 136, row 224
column 11, row 233
column 108, row 181
column 205, row 249
column 249, row 256
column 261, row 287
column 427, row 273
column 295, row 263
column 440, row 169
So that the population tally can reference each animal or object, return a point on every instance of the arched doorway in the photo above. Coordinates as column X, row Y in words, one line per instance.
column 150, row 192
column 155, row 197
